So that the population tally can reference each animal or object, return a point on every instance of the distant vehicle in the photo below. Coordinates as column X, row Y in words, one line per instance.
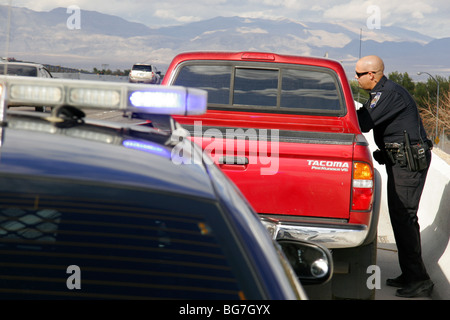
column 144, row 73
column 25, row 69
column 115, row 210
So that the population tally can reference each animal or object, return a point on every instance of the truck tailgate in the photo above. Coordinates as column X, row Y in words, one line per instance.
column 282, row 171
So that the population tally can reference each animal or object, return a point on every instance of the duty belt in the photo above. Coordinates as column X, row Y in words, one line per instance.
column 413, row 156
column 394, row 145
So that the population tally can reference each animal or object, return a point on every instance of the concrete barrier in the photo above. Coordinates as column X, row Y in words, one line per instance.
column 434, row 220
column 89, row 76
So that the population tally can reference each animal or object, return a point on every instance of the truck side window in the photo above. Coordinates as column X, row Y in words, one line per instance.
column 214, row 79
column 315, row 90
column 255, row 87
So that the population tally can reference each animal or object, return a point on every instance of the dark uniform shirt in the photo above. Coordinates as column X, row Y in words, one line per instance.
column 389, row 111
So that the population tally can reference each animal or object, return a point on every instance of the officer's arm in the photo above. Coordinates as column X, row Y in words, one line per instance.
column 365, row 120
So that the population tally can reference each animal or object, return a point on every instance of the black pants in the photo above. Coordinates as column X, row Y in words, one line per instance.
column 404, row 192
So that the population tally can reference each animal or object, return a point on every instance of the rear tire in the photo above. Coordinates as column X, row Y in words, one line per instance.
column 352, row 284
column 350, row 278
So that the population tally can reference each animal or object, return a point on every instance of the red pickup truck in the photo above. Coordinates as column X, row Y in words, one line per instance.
column 284, row 129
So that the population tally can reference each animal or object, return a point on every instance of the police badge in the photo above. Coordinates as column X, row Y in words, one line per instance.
column 375, row 99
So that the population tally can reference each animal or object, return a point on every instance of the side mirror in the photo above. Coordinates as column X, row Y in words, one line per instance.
column 311, row 262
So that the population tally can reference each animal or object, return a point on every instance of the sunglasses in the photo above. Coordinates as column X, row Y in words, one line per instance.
column 360, row 74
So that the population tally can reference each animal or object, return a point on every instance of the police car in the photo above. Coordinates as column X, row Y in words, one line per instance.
column 96, row 210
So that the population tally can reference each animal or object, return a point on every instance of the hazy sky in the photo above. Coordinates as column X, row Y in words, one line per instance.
column 428, row 17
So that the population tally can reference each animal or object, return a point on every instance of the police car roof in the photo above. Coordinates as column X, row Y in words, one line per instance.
column 44, row 146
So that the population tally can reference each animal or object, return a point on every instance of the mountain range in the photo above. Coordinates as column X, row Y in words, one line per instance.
column 110, row 42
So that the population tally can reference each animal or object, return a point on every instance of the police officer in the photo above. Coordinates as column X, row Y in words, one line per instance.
column 391, row 112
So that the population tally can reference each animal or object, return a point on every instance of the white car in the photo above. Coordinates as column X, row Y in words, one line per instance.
column 144, row 73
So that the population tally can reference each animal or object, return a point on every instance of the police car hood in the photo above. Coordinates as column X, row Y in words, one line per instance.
column 59, row 156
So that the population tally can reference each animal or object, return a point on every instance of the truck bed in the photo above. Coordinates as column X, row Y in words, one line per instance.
column 299, row 172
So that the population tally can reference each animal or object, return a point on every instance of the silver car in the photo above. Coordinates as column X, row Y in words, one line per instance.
column 25, row 69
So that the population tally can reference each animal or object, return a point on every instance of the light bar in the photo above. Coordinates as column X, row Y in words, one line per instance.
column 25, row 93
column 100, row 97
column 152, row 99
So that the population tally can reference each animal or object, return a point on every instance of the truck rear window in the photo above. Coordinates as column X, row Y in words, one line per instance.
column 214, row 79
column 256, row 88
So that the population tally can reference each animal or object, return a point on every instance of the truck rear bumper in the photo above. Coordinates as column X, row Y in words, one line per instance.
column 329, row 234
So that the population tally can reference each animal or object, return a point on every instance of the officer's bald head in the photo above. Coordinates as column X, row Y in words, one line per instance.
column 371, row 63
column 369, row 70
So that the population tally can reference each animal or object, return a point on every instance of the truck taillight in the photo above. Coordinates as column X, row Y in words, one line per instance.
column 362, row 185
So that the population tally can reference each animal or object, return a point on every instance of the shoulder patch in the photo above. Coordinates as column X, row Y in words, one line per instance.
column 375, row 99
